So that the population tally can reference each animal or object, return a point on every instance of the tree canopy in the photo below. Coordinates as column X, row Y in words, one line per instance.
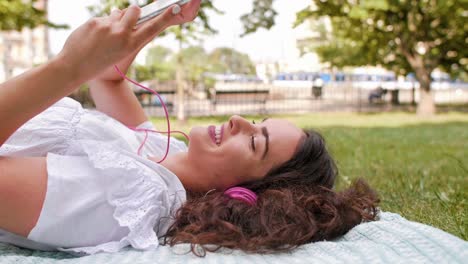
column 19, row 14
column 394, row 33
column 184, row 33
column 161, row 63
column 227, row 60
column 262, row 16
column 401, row 35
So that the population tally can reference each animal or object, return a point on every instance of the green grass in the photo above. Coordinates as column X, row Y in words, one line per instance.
column 418, row 166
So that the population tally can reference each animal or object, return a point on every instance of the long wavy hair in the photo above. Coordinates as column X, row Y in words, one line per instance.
column 296, row 205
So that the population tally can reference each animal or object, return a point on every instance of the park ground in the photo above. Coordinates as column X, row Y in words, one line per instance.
column 419, row 166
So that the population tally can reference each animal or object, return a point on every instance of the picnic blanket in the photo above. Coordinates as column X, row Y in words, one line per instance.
column 391, row 239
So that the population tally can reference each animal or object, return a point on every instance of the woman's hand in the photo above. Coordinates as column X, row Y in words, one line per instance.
column 100, row 43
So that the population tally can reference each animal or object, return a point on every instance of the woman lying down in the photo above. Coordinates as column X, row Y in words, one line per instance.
column 77, row 180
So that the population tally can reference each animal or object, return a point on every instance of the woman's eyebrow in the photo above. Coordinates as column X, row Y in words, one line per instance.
column 265, row 119
column 267, row 143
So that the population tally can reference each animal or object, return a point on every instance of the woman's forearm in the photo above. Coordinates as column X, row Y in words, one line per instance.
column 116, row 99
column 30, row 93
column 89, row 51
column 113, row 96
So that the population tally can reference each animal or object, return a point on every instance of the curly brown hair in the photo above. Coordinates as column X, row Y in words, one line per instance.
column 296, row 205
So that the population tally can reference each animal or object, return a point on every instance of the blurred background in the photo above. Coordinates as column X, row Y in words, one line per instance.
column 265, row 56
column 384, row 80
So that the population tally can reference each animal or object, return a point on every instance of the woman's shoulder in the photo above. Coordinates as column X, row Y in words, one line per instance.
column 115, row 160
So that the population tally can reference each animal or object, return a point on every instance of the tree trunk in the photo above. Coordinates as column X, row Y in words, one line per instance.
column 422, row 68
column 426, row 105
column 7, row 65
column 180, row 86
column 47, row 51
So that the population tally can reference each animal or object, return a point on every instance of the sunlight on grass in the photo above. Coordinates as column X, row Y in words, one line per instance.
column 329, row 119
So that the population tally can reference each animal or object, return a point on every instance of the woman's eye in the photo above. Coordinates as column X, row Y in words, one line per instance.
column 253, row 143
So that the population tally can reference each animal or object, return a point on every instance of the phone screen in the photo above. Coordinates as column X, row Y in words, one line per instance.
column 156, row 8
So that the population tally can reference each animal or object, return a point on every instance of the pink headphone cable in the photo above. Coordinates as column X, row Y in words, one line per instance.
column 165, row 111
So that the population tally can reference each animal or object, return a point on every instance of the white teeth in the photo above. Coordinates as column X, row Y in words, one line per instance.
column 218, row 135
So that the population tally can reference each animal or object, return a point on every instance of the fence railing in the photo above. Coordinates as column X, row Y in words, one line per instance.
column 242, row 98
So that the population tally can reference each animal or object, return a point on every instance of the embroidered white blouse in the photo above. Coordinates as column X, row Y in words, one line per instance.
column 101, row 195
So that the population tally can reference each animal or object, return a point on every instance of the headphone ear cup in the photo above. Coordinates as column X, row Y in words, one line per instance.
column 242, row 194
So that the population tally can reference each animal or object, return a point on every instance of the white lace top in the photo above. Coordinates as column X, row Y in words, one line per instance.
column 101, row 195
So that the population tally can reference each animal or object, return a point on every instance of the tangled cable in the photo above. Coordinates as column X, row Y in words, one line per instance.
column 150, row 130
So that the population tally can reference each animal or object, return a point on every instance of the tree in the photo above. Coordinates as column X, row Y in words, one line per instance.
column 227, row 60
column 195, row 64
column 162, row 72
column 15, row 15
column 158, row 65
column 19, row 14
column 158, row 54
column 262, row 16
column 404, row 36
column 183, row 33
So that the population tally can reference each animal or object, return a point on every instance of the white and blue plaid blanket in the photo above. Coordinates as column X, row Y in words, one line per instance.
column 392, row 239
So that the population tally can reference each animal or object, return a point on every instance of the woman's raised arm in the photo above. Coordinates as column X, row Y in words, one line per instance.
column 112, row 94
column 88, row 52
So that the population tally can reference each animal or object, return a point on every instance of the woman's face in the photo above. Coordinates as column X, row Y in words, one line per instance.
column 239, row 151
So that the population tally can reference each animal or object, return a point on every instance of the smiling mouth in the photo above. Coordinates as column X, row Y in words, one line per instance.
column 216, row 134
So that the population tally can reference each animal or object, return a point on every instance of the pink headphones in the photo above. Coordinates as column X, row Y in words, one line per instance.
column 242, row 194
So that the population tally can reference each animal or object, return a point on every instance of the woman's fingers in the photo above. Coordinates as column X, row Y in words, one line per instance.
column 116, row 15
column 194, row 6
column 131, row 16
column 153, row 27
column 172, row 16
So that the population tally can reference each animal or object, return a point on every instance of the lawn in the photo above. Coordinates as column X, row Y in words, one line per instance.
column 418, row 166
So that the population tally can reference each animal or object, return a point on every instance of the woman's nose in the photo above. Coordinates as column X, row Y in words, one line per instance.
column 238, row 124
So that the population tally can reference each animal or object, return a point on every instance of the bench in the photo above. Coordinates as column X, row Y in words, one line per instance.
column 239, row 96
column 147, row 98
column 378, row 95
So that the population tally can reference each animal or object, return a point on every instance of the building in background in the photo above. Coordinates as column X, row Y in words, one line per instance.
column 298, row 52
column 20, row 51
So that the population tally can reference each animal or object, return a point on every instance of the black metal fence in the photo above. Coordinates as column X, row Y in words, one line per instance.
column 244, row 98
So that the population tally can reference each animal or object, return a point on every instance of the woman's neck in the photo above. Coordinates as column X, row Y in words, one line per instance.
column 186, row 171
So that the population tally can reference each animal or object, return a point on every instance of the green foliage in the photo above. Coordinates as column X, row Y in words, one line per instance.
column 227, row 60
column 19, row 14
column 194, row 64
column 262, row 16
column 157, row 54
column 158, row 65
column 161, row 64
column 83, row 96
column 159, row 71
column 184, row 33
column 403, row 36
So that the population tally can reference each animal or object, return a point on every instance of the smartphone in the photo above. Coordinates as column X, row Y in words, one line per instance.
column 156, row 8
